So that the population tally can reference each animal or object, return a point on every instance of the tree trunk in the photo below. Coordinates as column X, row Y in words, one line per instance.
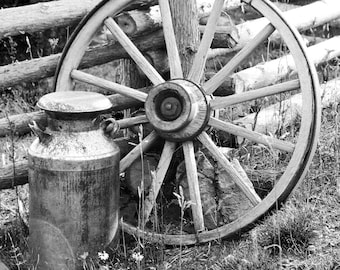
column 185, row 21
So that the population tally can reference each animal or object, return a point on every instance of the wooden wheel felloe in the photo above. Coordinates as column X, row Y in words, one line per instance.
column 182, row 111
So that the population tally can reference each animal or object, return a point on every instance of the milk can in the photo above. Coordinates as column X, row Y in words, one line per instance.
column 73, row 181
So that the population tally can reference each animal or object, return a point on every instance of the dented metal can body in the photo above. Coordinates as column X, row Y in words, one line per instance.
column 74, row 186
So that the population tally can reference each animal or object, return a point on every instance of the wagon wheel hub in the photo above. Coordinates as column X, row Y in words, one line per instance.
column 177, row 109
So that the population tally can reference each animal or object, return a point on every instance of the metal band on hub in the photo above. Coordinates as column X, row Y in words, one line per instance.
column 177, row 109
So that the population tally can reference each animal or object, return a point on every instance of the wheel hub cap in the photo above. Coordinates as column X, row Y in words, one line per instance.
column 177, row 109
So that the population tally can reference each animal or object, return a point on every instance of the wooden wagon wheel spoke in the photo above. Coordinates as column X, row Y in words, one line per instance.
column 108, row 85
column 170, row 40
column 211, row 85
column 224, row 162
column 132, row 121
column 223, row 102
column 251, row 135
column 135, row 153
column 194, row 190
column 161, row 170
column 132, row 50
column 198, row 64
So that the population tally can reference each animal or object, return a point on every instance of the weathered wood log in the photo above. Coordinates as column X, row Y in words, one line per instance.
column 274, row 71
column 44, row 67
column 18, row 124
column 269, row 119
column 136, row 22
column 37, row 17
column 315, row 14
column 41, row 16
column 286, row 7
column 9, row 179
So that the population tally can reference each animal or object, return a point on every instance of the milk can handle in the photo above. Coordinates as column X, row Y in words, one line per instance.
column 44, row 137
column 109, row 125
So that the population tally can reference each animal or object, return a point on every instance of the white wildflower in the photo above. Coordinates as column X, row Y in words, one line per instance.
column 84, row 256
column 137, row 256
column 103, row 255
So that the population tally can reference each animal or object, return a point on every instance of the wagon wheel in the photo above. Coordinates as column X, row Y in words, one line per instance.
column 180, row 111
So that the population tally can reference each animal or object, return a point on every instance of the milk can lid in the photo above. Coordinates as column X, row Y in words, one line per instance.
column 77, row 102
